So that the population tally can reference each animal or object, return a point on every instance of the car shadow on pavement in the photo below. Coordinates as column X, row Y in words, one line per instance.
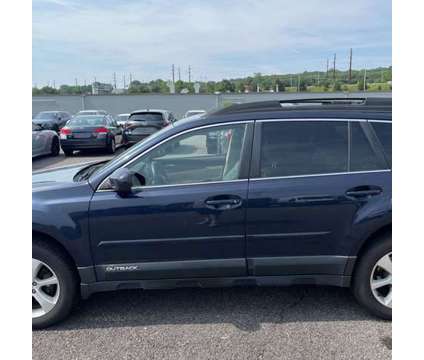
column 245, row 308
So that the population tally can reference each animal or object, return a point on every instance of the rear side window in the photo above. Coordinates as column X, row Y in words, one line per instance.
column 363, row 157
column 384, row 134
column 304, row 148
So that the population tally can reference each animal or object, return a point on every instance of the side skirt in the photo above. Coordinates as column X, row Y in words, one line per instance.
column 329, row 280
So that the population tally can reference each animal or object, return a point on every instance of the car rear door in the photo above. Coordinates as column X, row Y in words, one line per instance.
column 310, row 182
column 187, row 221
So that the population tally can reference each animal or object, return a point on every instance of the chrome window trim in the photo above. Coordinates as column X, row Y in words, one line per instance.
column 380, row 121
column 315, row 175
column 170, row 138
column 175, row 185
column 311, row 119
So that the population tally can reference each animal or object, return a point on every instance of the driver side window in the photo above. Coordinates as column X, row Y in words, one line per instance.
column 205, row 155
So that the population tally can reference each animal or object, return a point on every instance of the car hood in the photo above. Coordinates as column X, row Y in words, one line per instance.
column 57, row 177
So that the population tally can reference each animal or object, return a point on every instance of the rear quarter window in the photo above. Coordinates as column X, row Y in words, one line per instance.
column 363, row 156
column 384, row 134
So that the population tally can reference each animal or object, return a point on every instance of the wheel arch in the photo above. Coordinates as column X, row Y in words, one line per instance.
column 51, row 241
column 367, row 243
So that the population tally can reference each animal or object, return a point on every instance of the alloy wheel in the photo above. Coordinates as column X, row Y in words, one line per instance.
column 381, row 280
column 45, row 288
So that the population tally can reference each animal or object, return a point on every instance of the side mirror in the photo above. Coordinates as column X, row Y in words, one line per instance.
column 122, row 180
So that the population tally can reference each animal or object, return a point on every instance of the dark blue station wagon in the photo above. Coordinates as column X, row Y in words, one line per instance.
column 292, row 192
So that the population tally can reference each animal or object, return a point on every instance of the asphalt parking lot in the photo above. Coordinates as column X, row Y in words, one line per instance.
column 236, row 323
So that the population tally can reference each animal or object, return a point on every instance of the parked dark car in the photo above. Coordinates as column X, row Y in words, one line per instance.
column 300, row 194
column 143, row 123
column 91, row 132
column 51, row 120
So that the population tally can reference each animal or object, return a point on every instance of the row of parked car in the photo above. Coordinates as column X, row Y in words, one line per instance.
column 96, row 129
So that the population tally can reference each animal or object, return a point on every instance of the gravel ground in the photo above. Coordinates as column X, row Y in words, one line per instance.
column 237, row 323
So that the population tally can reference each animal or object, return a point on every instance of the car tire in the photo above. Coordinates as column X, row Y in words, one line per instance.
column 50, row 264
column 372, row 280
column 68, row 152
column 111, row 146
column 55, row 147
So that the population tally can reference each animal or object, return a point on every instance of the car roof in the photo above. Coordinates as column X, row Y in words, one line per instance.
column 344, row 108
column 103, row 111
column 149, row 110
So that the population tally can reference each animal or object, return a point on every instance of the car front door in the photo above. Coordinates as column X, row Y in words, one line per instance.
column 188, row 218
column 309, row 182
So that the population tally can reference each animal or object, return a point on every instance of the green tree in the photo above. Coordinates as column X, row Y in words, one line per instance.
column 337, row 86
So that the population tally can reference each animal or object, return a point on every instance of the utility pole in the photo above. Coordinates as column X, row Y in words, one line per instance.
column 85, row 82
column 334, row 69
column 95, row 80
column 173, row 73
column 318, row 78
column 114, row 80
column 54, row 84
column 350, row 65
column 365, row 80
column 179, row 74
column 291, row 80
column 381, row 76
column 130, row 79
column 124, row 82
column 189, row 74
column 327, row 68
column 298, row 83
column 76, row 82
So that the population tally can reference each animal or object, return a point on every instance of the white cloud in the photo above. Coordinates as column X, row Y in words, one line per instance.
column 220, row 38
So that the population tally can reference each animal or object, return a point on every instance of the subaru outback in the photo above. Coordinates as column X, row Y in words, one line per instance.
column 298, row 193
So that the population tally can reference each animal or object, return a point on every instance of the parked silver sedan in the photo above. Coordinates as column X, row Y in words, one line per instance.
column 44, row 142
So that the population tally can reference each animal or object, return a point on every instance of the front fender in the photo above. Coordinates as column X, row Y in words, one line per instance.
column 62, row 213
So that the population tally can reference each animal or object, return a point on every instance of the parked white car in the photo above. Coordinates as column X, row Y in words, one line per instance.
column 194, row 112
column 121, row 119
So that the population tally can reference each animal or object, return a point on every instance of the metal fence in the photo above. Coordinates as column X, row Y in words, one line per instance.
column 178, row 104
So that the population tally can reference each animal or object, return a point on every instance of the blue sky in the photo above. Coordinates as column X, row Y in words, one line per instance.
column 219, row 39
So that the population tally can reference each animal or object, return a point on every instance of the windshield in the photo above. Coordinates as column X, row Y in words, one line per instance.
column 87, row 121
column 122, row 117
column 146, row 117
column 46, row 115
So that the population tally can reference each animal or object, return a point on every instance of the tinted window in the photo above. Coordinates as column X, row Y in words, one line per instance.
column 157, row 117
column 384, row 133
column 363, row 157
column 87, row 121
column 199, row 156
column 303, row 148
